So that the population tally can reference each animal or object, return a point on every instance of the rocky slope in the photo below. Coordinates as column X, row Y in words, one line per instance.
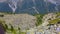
column 23, row 21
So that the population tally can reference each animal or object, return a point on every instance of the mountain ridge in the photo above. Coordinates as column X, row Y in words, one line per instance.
column 33, row 7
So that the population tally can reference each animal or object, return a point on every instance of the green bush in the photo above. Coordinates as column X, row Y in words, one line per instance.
column 39, row 19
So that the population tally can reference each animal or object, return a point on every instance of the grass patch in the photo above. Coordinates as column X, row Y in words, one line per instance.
column 58, row 14
column 22, row 32
column 54, row 21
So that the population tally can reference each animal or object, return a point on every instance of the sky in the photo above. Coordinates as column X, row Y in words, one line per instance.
column 2, row 0
column 53, row 1
column 12, row 0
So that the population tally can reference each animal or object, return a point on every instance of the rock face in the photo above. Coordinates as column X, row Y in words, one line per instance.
column 46, row 18
column 23, row 21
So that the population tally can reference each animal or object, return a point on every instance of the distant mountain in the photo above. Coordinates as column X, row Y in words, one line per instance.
column 4, row 7
column 32, row 7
